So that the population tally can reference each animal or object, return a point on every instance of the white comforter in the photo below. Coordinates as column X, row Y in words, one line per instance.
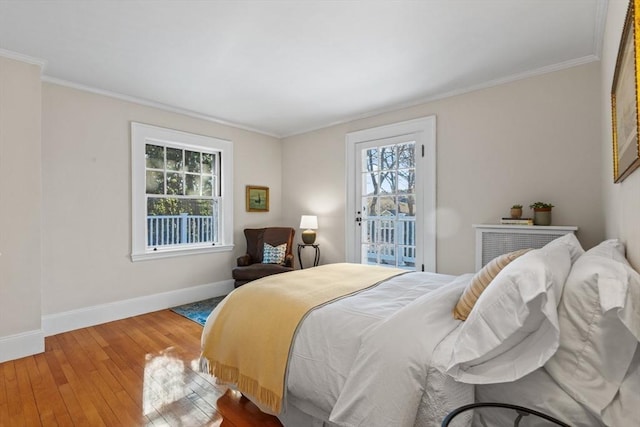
column 366, row 360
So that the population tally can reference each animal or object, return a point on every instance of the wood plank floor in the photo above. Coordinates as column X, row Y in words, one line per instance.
column 140, row 371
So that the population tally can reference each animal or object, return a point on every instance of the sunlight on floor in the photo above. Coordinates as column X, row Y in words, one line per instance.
column 163, row 381
column 166, row 384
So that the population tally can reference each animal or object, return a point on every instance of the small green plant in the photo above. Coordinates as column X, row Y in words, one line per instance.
column 541, row 205
column 516, row 207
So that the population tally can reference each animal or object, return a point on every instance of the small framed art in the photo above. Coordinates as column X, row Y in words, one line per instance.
column 257, row 199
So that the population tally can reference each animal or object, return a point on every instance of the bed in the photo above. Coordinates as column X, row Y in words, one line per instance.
column 553, row 329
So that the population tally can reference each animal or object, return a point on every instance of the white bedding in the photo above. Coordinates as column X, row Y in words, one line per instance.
column 405, row 317
column 537, row 391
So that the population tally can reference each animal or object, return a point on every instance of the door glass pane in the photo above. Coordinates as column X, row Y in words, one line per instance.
column 388, row 157
column 406, row 156
column 370, row 160
column 388, row 233
column 388, row 182
column 371, row 184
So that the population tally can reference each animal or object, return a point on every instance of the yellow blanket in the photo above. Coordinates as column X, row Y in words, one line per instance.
column 248, row 344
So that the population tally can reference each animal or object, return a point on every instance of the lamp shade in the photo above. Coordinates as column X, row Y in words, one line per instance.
column 309, row 222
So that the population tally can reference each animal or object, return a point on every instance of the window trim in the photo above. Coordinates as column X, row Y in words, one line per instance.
column 141, row 134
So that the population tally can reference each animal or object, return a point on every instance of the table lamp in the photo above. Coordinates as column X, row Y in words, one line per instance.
column 309, row 223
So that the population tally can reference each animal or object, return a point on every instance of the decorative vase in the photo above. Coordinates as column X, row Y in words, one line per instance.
column 542, row 216
column 516, row 213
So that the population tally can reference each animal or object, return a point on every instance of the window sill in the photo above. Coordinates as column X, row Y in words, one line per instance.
column 176, row 252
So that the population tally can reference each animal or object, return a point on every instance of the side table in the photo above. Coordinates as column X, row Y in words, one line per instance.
column 316, row 259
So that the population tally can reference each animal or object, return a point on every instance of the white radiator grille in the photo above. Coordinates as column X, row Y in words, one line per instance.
column 497, row 243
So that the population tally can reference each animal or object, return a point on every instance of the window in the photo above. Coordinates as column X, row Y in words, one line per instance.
column 182, row 193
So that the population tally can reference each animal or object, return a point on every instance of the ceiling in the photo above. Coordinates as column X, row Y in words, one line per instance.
column 287, row 67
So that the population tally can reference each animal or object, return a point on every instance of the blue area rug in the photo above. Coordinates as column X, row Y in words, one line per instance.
column 198, row 311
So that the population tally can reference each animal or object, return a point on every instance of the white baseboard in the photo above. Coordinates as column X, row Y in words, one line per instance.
column 21, row 345
column 84, row 317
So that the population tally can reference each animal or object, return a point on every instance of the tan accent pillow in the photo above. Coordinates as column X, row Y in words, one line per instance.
column 480, row 281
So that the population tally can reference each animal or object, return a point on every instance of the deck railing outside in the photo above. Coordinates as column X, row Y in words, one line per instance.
column 180, row 229
column 393, row 238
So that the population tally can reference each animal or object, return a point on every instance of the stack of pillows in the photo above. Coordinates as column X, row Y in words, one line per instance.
column 576, row 313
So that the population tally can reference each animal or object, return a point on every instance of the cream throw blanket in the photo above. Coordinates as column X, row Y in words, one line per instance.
column 249, row 342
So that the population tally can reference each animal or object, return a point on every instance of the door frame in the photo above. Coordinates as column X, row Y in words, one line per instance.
column 423, row 130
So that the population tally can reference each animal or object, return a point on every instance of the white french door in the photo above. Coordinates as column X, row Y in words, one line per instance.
column 391, row 195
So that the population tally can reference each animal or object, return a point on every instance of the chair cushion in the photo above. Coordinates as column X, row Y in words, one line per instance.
column 256, row 271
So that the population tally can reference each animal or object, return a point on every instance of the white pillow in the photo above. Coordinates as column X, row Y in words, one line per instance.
column 571, row 242
column 513, row 328
column 599, row 317
column 624, row 410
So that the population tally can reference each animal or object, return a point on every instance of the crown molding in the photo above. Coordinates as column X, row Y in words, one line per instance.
column 497, row 82
column 23, row 58
column 154, row 104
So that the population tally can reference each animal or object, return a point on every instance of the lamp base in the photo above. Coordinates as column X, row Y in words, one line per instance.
column 308, row 237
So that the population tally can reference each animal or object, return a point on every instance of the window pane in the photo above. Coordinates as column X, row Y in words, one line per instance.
column 175, row 184
column 174, row 159
column 174, row 206
column 207, row 162
column 154, row 155
column 193, row 184
column 172, row 221
column 155, row 182
column 207, row 185
column 215, row 164
column 192, row 159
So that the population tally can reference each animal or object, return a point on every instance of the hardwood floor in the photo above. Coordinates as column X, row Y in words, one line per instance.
column 140, row 371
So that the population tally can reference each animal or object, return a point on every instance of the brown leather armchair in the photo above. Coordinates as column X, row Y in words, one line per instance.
column 250, row 265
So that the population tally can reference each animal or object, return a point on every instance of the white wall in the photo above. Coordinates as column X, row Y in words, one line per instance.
column 87, row 201
column 621, row 201
column 20, row 209
column 534, row 139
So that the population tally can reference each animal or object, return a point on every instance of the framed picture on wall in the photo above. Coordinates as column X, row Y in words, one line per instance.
column 257, row 199
column 624, row 99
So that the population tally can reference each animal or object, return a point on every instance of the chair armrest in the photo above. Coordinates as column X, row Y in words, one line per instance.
column 244, row 260
column 288, row 260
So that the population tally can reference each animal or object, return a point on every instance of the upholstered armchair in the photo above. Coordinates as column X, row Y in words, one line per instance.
column 255, row 263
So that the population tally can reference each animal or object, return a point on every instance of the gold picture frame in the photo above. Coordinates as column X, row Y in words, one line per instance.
column 257, row 198
column 624, row 99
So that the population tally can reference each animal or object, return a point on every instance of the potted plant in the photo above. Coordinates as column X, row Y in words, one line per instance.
column 516, row 211
column 541, row 213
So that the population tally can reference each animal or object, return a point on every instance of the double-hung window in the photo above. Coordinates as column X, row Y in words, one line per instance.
column 182, row 193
